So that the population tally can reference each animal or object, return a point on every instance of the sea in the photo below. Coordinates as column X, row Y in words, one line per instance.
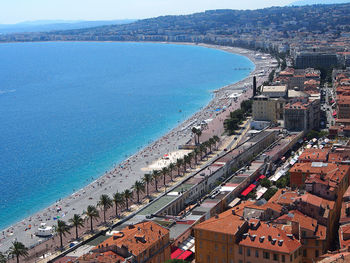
column 69, row 111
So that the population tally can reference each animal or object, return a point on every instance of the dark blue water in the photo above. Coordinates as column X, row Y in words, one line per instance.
column 69, row 111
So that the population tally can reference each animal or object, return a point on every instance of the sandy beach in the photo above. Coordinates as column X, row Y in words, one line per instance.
column 123, row 175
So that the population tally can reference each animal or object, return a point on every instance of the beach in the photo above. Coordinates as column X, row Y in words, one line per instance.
column 123, row 175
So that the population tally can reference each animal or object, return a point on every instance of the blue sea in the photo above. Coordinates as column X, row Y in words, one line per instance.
column 70, row 110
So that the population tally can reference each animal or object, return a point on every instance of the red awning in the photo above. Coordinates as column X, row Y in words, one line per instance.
column 262, row 176
column 248, row 190
column 176, row 253
column 334, row 113
column 185, row 255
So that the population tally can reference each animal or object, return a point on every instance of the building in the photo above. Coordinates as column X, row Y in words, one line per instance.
column 217, row 238
column 313, row 236
column 302, row 115
column 274, row 91
column 267, row 109
column 343, row 106
column 145, row 242
column 228, row 238
column 315, row 60
column 314, row 155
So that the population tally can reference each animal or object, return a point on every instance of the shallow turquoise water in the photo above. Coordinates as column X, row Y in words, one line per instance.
column 70, row 110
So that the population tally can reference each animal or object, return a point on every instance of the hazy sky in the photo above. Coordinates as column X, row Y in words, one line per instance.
column 14, row 11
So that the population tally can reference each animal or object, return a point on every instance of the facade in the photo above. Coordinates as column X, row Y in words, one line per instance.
column 315, row 60
column 302, row 115
column 145, row 242
column 267, row 109
column 228, row 238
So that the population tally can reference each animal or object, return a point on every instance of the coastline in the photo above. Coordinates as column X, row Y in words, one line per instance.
column 127, row 172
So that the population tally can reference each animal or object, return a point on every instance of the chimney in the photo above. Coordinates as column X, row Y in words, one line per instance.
column 254, row 86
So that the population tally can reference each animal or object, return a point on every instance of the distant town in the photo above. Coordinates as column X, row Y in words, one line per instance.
column 266, row 180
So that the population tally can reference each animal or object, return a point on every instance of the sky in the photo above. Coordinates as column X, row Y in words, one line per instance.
column 15, row 11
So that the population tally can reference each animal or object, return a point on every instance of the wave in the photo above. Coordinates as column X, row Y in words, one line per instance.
column 2, row 92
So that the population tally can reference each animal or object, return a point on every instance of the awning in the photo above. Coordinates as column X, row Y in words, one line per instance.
column 176, row 253
column 262, row 176
column 185, row 255
column 334, row 113
column 248, row 190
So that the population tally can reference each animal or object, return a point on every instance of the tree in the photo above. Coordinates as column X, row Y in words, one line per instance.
column 147, row 178
column 61, row 229
column 2, row 258
column 92, row 213
column 211, row 143
column 269, row 193
column 77, row 221
column 179, row 163
column 196, row 152
column 216, row 139
column 194, row 131
column 155, row 175
column 199, row 133
column 19, row 250
column 105, row 203
column 164, row 172
column 265, row 183
column 117, row 200
column 201, row 150
column 139, row 187
column 127, row 194
column 171, row 169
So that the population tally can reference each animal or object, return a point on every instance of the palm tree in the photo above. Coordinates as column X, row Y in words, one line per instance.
column 196, row 152
column 216, row 139
column 201, row 150
column 155, row 176
column 77, row 221
column 179, row 163
column 18, row 249
column 147, row 179
column 91, row 213
column 206, row 146
column 194, row 131
column 105, row 203
column 139, row 187
column 164, row 172
column 190, row 158
column 127, row 194
column 199, row 133
column 2, row 258
column 118, row 199
column 211, row 143
column 61, row 229
column 171, row 168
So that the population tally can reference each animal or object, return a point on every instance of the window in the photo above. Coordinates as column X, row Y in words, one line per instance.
column 248, row 252
column 223, row 237
column 257, row 253
column 304, row 253
column 266, row 255
column 316, row 242
column 231, row 250
column 291, row 258
column 240, row 261
column 316, row 253
column 208, row 258
column 216, row 236
column 216, row 260
column 275, row 257
column 295, row 254
column 216, row 247
column 283, row 258
column 223, row 248
column 200, row 244
column 240, row 250
column 303, row 233
column 231, row 261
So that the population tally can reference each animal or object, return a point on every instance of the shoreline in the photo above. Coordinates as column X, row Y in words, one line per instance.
column 118, row 177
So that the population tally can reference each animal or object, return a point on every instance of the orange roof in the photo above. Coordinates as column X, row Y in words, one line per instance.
column 316, row 201
column 105, row 257
column 268, row 237
column 151, row 231
column 284, row 197
column 305, row 222
column 226, row 223
column 312, row 155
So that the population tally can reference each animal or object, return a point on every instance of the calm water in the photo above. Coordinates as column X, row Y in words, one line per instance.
column 68, row 111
